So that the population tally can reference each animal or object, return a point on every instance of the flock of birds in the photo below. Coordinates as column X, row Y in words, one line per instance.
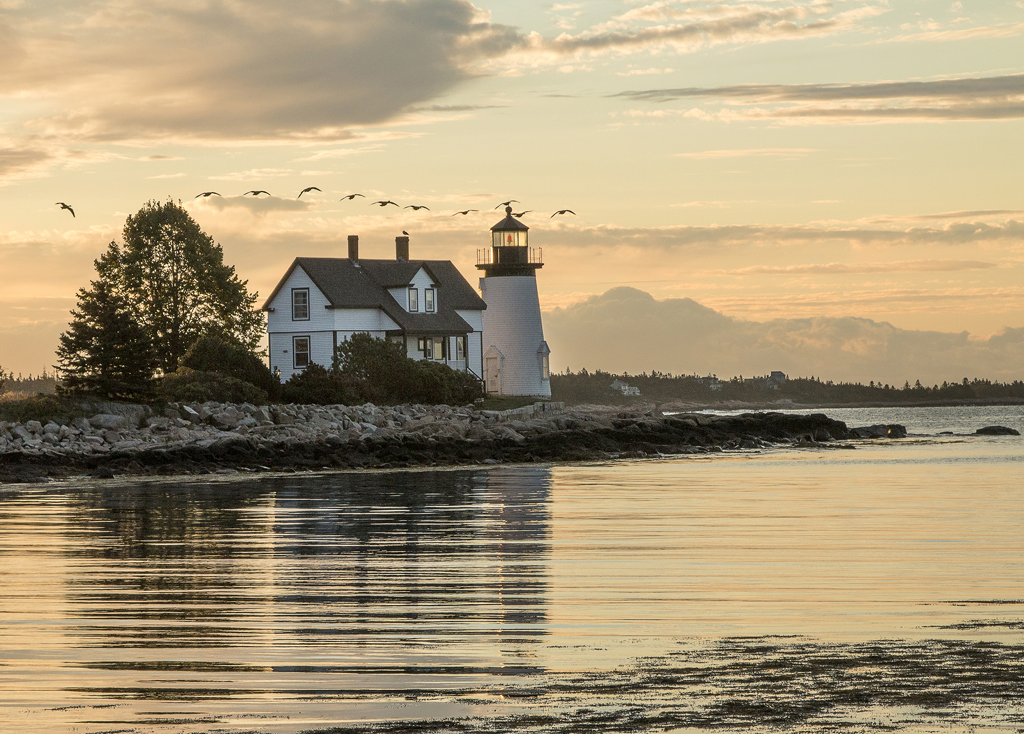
column 351, row 197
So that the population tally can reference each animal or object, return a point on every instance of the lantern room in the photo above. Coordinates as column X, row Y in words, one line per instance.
column 510, row 253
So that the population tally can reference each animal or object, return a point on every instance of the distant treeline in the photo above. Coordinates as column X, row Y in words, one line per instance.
column 595, row 387
column 31, row 384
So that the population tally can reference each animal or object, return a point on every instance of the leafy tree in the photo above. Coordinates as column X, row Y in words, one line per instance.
column 380, row 367
column 3, row 382
column 226, row 357
column 173, row 277
column 320, row 386
column 105, row 351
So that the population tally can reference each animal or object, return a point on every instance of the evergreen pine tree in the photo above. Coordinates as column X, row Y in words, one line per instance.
column 105, row 351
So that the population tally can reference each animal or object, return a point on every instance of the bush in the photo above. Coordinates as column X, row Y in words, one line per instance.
column 216, row 354
column 200, row 386
column 438, row 383
column 41, row 408
column 318, row 386
column 369, row 370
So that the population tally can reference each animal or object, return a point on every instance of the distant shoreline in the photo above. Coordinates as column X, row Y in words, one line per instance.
column 731, row 405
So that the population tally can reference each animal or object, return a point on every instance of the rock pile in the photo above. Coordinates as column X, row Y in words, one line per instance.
column 131, row 439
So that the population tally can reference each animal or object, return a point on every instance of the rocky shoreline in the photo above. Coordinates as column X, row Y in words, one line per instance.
column 121, row 439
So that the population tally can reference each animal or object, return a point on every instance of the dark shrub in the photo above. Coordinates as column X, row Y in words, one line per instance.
column 386, row 376
column 369, row 370
column 41, row 408
column 216, row 354
column 196, row 386
column 438, row 383
column 320, row 386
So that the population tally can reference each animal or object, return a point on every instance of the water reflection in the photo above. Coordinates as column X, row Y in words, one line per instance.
column 413, row 562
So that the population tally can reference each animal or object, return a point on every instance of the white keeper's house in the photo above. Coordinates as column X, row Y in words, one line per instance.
column 426, row 305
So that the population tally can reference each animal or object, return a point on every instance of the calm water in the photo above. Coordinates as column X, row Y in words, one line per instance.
column 789, row 589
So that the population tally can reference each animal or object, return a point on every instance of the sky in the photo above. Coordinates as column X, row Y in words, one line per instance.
column 850, row 168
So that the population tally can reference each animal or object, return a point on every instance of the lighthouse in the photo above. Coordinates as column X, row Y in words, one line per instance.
column 515, row 353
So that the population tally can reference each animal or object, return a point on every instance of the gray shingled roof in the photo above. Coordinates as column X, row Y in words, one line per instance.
column 347, row 286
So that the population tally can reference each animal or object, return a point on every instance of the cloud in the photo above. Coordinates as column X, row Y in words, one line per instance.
column 904, row 266
column 750, row 153
column 626, row 329
column 169, row 175
column 643, row 72
column 258, row 205
column 1001, row 30
column 717, row 236
column 259, row 70
column 31, row 158
column 681, row 27
column 704, row 26
column 20, row 162
column 253, row 174
column 982, row 98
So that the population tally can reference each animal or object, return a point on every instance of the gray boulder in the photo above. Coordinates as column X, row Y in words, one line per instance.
column 107, row 421
column 997, row 431
column 893, row 430
column 225, row 420
column 133, row 415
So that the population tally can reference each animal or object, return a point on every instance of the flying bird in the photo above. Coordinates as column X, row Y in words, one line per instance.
column 350, row 197
column 205, row 194
column 257, row 192
column 562, row 211
column 383, row 204
column 308, row 188
column 519, row 214
column 416, row 208
column 507, row 203
column 465, row 212
column 62, row 205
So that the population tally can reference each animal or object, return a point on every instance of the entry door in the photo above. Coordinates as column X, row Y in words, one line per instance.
column 492, row 374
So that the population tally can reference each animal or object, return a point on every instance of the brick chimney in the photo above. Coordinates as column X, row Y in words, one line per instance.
column 402, row 247
column 353, row 247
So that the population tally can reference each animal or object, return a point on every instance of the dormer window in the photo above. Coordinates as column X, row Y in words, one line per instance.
column 414, row 300
column 300, row 304
column 428, row 300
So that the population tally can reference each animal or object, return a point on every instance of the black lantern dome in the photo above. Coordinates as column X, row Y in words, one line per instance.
column 510, row 253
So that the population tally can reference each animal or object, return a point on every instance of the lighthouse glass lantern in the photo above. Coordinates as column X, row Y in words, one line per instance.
column 509, row 238
column 509, row 242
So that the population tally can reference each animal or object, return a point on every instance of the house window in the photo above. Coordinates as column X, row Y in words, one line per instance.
column 300, row 352
column 414, row 300
column 428, row 300
column 545, row 367
column 300, row 304
column 439, row 350
column 428, row 348
column 460, row 347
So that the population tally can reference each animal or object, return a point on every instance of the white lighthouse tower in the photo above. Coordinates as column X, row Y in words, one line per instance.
column 515, row 353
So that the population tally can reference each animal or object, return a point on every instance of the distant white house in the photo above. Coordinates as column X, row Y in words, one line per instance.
column 425, row 305
column 624, row 388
